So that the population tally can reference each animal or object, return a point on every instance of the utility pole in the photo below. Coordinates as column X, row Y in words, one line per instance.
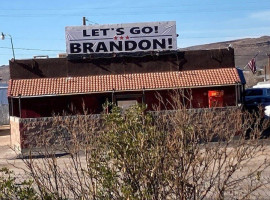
column 268, row 59
column 268, row 68
column 3, row 36
column 84, row 21
column 265, row 79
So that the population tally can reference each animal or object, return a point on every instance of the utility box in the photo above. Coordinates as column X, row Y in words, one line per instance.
column 215, row 98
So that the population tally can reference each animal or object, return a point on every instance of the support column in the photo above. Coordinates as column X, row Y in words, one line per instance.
column 143, row 96
column 20, row 106
column 236, row 95
column 11, row 107
column 113, row 96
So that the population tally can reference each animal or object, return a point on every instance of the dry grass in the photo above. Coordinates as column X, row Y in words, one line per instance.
column 180, row 154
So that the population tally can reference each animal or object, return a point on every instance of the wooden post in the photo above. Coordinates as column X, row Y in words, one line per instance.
column 265, row 79
column 20, row 106
column 143, row 97
column 113, row 97
column 11, row 102
column 267, row 67
column 236, row 95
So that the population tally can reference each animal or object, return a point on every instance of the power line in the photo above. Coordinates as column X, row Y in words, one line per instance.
column 143, row 12
column 38, row 39
column 28, row 49
column 122, row 7
column 222, row 36
column 180, row 37
column 27, row 54
column 55, row 50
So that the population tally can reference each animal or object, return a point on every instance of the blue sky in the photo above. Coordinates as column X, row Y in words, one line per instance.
column 38, row 27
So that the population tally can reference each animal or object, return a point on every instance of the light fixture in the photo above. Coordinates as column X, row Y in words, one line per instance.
column 3, row 36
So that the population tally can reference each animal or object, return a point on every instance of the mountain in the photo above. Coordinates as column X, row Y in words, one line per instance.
column 4, row 73
column 244, row 50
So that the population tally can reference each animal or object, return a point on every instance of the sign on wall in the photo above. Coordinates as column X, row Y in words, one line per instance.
column 117, row 38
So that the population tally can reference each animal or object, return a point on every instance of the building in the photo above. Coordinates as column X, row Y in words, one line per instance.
column 4, row 111
column 40, row 88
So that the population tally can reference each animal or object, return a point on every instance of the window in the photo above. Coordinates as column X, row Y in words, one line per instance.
column 256, row 92
column 125, row 104
column 268, row 92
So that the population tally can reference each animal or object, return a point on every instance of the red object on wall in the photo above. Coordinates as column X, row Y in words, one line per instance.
column 215, row 98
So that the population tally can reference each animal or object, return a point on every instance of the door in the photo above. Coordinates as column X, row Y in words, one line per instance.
column 215, row 98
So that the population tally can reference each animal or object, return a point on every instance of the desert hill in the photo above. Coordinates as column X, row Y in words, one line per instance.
column 244, row 50
column 4, row 74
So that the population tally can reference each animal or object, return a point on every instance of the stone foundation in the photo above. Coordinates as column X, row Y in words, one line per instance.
column 40, row 134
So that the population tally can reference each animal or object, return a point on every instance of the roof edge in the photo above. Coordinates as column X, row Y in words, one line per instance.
column 118, row 91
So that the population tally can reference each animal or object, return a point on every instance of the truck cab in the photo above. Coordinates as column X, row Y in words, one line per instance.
column 256, row 97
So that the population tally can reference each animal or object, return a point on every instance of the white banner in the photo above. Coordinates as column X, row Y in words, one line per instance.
column 133, row 37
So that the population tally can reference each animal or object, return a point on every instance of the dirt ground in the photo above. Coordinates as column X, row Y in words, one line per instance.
column 12, row 161
column 8, row 158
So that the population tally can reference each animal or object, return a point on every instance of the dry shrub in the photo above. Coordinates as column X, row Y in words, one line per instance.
column 177, row 154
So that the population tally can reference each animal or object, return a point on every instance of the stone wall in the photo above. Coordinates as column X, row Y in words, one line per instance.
column 48, row 133
column 4, row 114
column 54, row 134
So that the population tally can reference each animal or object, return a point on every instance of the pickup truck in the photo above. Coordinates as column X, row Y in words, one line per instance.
column 255, row 97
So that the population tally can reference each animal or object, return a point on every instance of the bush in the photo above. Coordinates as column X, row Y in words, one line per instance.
column 180, row 154
column 11, row 188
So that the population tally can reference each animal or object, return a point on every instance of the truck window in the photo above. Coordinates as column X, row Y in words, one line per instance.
column 257, row 92
column 268, row 92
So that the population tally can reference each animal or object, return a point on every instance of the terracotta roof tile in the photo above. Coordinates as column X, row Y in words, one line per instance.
column 124, row 82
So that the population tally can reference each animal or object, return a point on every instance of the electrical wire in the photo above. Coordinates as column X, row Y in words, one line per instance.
column 123, row 7
column 128, row 13
column 28, row 49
